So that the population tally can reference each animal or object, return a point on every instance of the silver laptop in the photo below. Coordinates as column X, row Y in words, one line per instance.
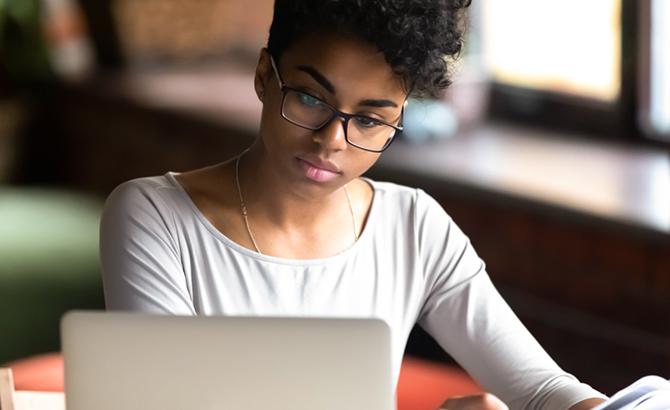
column 125, row 361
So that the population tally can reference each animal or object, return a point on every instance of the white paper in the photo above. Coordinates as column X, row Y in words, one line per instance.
column 648, row 393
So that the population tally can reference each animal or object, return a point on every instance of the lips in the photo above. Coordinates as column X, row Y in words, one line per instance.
column 319, row 170
column 323, row 164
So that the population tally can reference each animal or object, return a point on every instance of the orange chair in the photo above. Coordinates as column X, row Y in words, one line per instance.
column 12, row 399
column 423, row 385
column 39, row 373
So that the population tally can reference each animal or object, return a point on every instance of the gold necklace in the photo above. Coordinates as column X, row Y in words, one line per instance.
column 244, row 207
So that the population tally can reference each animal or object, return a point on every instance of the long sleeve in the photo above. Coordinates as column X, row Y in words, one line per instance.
column 467, row 316
column 141, row 268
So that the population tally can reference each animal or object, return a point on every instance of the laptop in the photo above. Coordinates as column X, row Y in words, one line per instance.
column 135, row 361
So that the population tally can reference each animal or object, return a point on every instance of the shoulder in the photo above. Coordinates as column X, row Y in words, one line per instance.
column 172, row 199
column 144, row 201
column 391, row 193
column 144, row 190
column 407, row 200
column 423, row 219
column 211, row 189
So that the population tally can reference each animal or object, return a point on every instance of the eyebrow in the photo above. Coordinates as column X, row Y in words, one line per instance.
column 378, row 103
column 321, row 79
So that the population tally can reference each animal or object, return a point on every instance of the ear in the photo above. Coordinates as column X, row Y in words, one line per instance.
column 263, row 74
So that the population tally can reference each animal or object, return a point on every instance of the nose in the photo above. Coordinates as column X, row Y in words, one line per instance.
column 332, row 135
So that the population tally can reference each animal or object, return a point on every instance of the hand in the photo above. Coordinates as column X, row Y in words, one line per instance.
column 587, row 404
column 484, row 401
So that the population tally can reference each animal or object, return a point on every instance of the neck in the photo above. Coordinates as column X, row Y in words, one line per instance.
column 270, row 198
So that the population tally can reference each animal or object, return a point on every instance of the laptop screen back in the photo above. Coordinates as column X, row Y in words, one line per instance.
column 144, row 362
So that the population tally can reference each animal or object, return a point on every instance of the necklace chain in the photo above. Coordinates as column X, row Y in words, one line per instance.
column 245, row 215
column 242, row 204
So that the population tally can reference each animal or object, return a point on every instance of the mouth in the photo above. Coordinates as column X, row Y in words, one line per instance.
column 319, row 170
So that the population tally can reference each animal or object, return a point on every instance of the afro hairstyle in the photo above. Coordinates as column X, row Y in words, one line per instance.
column 419, row 39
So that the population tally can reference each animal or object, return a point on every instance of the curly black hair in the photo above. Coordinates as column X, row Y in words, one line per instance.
column 418, row 38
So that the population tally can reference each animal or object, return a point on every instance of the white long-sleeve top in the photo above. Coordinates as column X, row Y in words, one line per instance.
column 411, row 264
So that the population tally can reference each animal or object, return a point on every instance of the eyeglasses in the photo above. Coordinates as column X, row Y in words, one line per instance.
column 312, row 113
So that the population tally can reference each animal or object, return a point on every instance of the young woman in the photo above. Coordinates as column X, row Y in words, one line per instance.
column 289, row 227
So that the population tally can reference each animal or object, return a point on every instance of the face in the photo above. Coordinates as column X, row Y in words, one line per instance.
column 347, row 74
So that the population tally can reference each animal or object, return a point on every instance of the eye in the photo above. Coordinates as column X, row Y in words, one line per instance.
column 367, row 122
column 308, row 100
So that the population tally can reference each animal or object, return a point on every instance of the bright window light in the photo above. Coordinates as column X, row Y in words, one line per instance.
column 568, row 46
column 659, row 110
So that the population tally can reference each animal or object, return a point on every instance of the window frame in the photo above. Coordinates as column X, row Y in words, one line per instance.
column 618, row 120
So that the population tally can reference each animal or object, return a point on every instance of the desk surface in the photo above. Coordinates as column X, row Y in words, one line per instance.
column 619, row 184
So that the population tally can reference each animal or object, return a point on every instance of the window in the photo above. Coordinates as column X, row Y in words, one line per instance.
column 596, row 67
column 655, row 71
column 568, row 46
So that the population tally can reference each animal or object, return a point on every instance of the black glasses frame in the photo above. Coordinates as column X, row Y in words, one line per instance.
column 335, row 113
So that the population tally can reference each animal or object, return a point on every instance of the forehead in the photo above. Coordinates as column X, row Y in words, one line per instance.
column 355, row 67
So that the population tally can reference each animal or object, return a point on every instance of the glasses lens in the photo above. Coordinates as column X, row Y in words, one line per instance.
column 309, row 112
column 305, row 110
column 368, row 133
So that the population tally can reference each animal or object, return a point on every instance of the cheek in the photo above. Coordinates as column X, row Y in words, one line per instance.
column 279, row 134
column 361, row 161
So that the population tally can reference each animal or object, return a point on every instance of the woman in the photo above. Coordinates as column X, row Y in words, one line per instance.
column 289, row 227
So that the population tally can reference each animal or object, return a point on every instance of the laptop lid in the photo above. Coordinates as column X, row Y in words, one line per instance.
column 146, row 362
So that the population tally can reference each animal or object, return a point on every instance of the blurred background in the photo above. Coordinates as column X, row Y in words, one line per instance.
column 551, row 150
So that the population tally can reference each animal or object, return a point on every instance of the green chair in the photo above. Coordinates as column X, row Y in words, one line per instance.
column 48, row 265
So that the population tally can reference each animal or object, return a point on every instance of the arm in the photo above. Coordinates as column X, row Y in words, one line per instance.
column 587, row 404
column 467, row 316
column 141, row 267
column 488, row 401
